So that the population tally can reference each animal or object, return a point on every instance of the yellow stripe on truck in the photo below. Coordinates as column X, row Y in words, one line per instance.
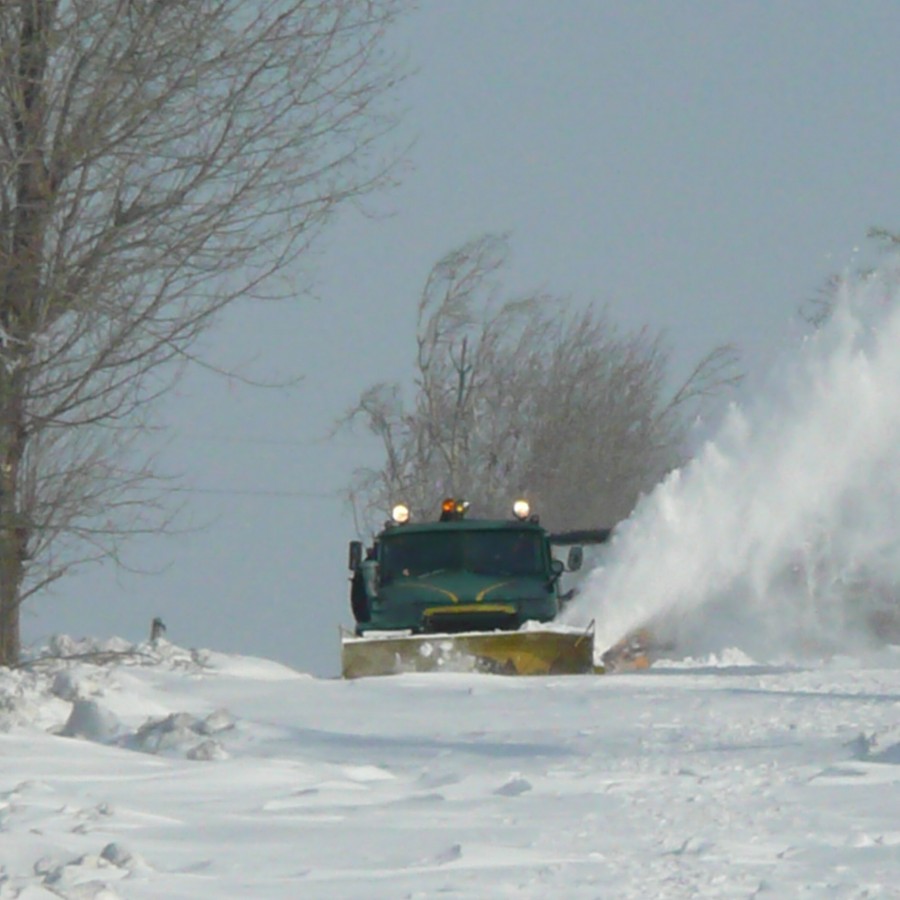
column 419, row 586
column 481, row 594
column 470, row 608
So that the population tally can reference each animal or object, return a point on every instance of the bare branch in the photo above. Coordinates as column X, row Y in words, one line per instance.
column 524, row 396
column 158, row 161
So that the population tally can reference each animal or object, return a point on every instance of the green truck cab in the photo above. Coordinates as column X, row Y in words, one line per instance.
column 457, row 574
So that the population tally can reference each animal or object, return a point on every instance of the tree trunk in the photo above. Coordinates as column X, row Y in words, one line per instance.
column 18, row 308
column 13, row 540
column 10, row 581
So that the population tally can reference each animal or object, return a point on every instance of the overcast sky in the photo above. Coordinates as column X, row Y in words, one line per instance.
column 699, row 167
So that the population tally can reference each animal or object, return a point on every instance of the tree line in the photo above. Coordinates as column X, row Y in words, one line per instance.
column 526, row 395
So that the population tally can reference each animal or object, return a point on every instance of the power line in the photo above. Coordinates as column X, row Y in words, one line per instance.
column 335, row 440
column 240, row 439
column 257, row 492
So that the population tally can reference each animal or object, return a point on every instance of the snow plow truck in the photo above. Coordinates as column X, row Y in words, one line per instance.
column 464, row 594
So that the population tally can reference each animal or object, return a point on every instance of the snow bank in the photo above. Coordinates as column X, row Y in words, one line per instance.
column 139, row 772
column 73, row 688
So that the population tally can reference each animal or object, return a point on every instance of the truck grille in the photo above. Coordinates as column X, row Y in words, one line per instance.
column 455, row 620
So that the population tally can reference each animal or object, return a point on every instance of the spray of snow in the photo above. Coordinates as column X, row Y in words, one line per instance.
column 783, row 533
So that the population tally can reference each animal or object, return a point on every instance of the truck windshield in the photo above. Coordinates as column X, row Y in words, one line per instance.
column 502, row 553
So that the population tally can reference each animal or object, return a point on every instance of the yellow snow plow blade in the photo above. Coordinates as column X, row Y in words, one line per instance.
column 502, row 652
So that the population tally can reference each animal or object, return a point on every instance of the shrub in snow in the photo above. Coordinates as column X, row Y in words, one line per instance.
column 65, row 685
column 124, row 858
column 180, row 730
column 78, row 879
column 220, row 720
column 63, row 645
column 169, row 733
column 74, row 683
column 515, row 786
column 207, row 750
column 91, row 721
column 23, row 700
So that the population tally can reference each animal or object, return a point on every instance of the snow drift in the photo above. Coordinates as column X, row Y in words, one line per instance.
column 735, row 780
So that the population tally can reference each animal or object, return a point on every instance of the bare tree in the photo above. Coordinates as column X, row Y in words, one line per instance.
column 159, row 159
column 524, row 396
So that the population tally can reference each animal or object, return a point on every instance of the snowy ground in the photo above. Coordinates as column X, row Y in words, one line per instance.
column 165, row 773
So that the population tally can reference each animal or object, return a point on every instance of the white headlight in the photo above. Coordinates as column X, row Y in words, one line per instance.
column 400, row 514
column 521, row 509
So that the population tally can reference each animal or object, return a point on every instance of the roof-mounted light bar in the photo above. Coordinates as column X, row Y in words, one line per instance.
column 453, row 509
column 521, row 510
column 400, row 514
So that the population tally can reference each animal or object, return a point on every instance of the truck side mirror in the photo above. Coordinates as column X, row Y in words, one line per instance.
column 576, row 557
column 355, row 555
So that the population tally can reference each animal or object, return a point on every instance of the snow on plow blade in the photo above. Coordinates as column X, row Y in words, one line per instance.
column 503, row 652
